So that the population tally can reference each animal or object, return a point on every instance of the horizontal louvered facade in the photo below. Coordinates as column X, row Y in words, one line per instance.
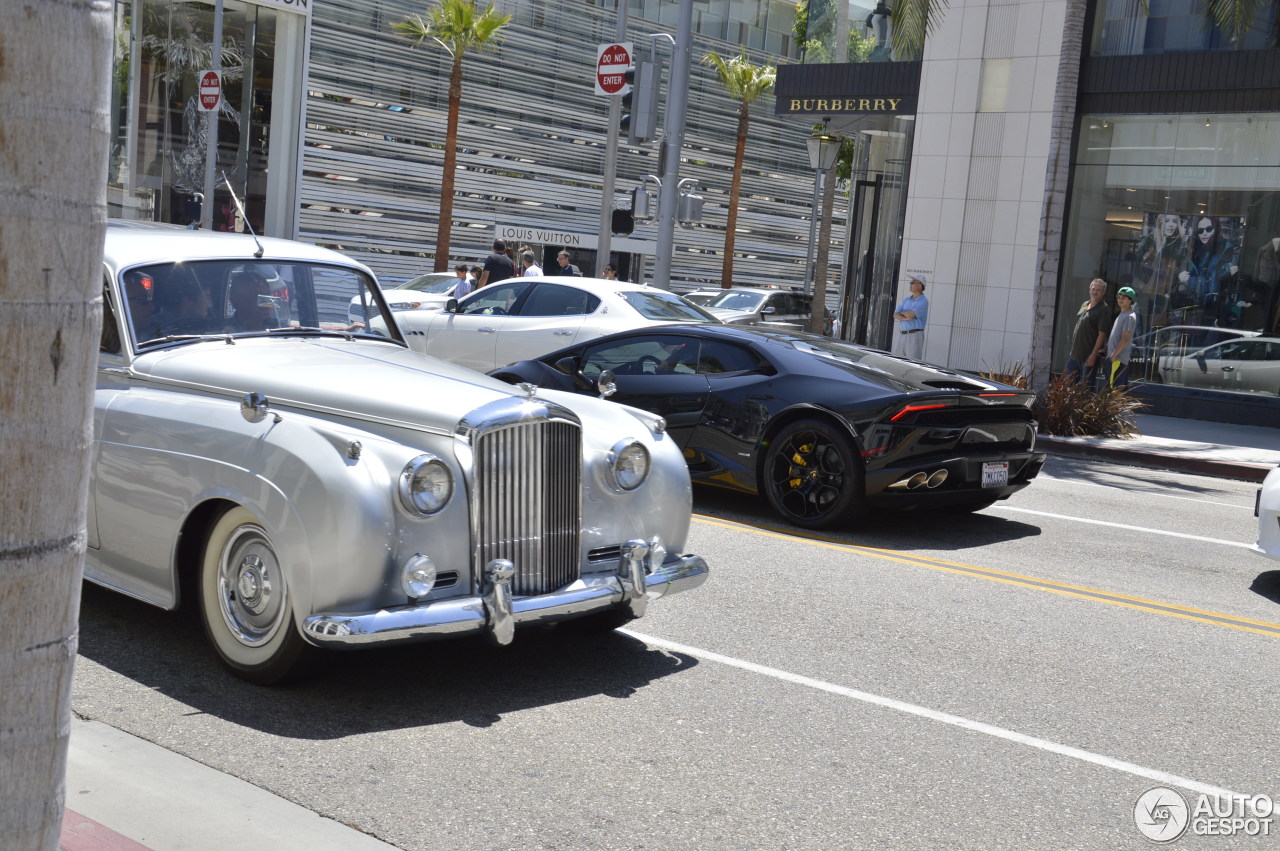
column 531, row 145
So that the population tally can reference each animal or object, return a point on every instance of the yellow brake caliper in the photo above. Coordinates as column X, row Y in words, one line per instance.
column 797, row 460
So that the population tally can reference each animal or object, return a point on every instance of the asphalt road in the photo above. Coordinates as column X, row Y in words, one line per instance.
column 1011, row 679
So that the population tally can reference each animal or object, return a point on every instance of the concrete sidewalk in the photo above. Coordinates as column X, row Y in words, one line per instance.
column 127, row 794
column 1189, row 446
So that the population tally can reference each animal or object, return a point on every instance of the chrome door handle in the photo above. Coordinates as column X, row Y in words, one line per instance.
column 486, row 330
column 564, row 332
column 1228, row 369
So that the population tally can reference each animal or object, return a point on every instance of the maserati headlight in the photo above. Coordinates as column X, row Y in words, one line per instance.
column 425, row 485
column 629, row 463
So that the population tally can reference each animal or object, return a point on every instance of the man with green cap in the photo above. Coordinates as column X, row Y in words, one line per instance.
column 1121, row 339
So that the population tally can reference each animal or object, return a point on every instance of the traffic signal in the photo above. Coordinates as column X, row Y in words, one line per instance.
column 640, row 103
column 623, row 222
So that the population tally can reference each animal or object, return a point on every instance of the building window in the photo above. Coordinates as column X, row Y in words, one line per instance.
column 1184, row 209
column 1123, row 28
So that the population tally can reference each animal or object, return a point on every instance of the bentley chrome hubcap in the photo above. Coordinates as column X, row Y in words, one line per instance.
column 250, row 586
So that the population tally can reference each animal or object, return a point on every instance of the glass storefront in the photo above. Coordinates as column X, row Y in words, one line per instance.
column 160, row 141
column 1186, row 210
column 1126, row 28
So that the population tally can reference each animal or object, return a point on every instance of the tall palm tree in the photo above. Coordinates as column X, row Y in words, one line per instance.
column 745, row 82
column 457, row 26
column 53, row 170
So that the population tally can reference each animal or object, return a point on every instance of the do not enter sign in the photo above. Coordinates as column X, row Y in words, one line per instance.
column 612, row 62
column 210, row 90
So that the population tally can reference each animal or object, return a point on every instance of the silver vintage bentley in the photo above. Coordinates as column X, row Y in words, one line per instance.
column 311, row 483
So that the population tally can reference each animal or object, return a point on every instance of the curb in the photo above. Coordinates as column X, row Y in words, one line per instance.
column 1070, row 447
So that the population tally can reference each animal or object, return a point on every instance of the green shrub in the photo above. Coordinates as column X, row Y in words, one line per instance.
column 1071, row 409
column 1014, row 374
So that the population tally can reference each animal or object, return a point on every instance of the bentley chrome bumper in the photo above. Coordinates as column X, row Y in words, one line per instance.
column 496, row 612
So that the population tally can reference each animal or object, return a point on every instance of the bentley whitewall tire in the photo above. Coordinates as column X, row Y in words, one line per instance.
column 244, row 602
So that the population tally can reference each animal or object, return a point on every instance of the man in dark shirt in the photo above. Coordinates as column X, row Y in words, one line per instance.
column 1093, row 323
column 497, row 266
column 564, row 267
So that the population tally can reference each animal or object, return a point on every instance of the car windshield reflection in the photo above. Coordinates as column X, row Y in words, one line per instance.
column 665, row 307
column 180, row 302
column 737, row 301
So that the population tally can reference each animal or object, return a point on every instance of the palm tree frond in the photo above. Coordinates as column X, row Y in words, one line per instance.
column 1235, row 17
column 913, row 21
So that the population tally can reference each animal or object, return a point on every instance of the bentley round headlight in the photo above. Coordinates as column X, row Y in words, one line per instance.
column 425, row 485
column 418, row 576
column 629, row 461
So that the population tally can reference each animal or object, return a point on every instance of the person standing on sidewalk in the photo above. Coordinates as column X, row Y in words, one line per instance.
column 1089, row 340
column 531, row 269
column 565, row 267
column 912, row 315
column 463, row 287
column 1121, row 339
column 497, row 266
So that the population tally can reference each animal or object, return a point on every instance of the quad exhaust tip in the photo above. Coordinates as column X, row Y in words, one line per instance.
column 921, row 479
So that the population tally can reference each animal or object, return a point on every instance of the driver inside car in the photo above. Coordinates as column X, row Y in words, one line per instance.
column 255, row 308
column 182, row 307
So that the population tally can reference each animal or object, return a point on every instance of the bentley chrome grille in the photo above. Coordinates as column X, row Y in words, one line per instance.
column 528, row 479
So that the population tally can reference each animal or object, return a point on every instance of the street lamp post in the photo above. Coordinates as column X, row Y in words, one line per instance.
column 824, row 146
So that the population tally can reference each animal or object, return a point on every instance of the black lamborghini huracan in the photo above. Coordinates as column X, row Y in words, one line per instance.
column 822, row 428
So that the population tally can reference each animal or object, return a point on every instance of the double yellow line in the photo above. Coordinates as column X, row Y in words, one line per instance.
column 1067, row 590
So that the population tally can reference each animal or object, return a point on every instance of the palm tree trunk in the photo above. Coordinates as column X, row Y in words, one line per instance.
column 735, row 192
column 444, row 229
column 817, row 319
column 54, row 96
column 1053, row 212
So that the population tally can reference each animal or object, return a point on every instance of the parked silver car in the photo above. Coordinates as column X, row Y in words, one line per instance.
column 1245, row 364
column 761, row 306
column 311, row 484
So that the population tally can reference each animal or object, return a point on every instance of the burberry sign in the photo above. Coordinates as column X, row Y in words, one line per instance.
column 842, row 104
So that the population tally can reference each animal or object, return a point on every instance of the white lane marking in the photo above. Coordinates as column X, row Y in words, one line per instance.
column 935, row 715
column 1147, row 492
column 1125, row 526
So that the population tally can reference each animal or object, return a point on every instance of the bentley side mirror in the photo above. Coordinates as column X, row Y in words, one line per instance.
column 606, row 385
column 255, row 408
column 567, row 365
column 451, row 306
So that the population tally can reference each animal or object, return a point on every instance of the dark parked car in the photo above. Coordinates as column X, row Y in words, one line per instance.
column 823, row 429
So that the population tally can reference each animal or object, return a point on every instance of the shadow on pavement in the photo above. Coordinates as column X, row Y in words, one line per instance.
column 896, row 530
column 368, row 690
column 1267, row 584
column 1132, row 479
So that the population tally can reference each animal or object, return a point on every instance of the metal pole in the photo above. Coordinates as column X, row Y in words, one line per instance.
column 604, row 243
column 813, row 232
column 673, row 144
column 211, row 123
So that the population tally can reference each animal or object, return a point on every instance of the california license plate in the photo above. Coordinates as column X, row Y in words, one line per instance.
column 995, row 474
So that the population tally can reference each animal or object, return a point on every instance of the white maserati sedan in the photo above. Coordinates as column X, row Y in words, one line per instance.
column 522, row 318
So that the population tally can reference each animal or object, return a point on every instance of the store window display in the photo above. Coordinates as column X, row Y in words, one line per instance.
column 1185, row 210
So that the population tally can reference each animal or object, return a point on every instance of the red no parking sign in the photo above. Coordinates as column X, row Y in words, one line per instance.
column 210, row 90
column 612, row 62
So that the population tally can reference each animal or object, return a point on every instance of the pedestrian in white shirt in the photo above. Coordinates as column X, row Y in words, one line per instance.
column 531, row 269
